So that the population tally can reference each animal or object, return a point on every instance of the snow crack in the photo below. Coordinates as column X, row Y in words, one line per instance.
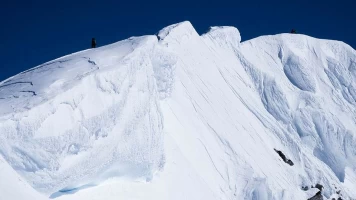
column 19, row 82
column 33, row 92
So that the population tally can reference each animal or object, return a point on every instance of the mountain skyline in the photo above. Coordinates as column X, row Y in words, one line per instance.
column 179, row 115
column 34, row 32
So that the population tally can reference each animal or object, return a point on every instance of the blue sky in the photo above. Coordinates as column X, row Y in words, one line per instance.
column 34, row 32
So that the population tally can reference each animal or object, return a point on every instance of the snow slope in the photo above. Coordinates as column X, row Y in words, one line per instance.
column 180, row 115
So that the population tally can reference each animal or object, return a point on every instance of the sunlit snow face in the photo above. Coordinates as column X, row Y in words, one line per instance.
column 214, row 117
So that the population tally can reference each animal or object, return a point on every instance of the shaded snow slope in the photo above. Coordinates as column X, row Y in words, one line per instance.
column 184, row 116
column 12, row 186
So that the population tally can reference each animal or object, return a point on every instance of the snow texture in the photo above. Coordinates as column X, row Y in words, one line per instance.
column 178, row 115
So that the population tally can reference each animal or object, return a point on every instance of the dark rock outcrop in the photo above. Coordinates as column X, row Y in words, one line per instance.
column 305, row 188
column 284, row 158
column 317, row 196
column 319, row 186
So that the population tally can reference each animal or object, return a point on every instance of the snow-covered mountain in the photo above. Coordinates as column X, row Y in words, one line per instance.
column 178, row 115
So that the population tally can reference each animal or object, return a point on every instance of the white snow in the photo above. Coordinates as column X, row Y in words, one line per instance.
column 183, row 116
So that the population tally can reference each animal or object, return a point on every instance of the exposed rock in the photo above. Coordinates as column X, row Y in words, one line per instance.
column 305, row 188
column 319, row 186
column 284, row 158
column 317, row 196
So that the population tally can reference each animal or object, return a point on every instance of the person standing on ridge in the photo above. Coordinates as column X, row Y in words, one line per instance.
column 293, row 31
column 93, row 43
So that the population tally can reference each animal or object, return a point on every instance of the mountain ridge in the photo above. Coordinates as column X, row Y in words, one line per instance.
column 178, row 104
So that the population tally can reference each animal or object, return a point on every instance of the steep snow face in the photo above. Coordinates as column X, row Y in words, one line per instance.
column 207, row 113
column 84, row 117
column 318, row 83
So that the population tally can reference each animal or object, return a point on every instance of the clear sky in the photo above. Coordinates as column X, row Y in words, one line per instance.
column 34, row 32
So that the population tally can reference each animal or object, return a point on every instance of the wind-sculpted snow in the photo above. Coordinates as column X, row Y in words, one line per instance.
column 224, row 36
column 300, row 74
column 85, row 126
column 275, row 101
column 183, row 116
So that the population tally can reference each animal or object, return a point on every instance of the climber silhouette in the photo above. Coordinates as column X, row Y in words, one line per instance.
column 293, row 31
column 93, row 43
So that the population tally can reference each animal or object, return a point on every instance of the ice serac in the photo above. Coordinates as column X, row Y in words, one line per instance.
column 180, row 115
